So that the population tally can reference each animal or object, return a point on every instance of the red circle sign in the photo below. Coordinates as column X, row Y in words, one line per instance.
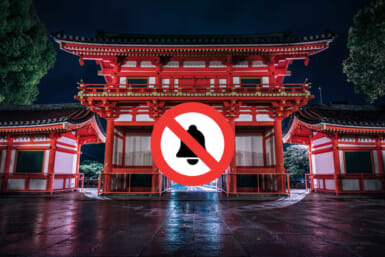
column 168, row 120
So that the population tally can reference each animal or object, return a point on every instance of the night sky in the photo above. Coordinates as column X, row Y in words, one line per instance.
column 303, row 17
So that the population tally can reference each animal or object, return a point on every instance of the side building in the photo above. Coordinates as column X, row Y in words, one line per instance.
column 346, row 146
column 40, row 146
column 239, row 75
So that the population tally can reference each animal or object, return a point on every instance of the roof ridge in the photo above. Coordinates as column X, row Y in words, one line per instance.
column 35, row 107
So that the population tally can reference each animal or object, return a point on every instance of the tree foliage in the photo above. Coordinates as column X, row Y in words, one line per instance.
column 25, row 50
column 91, row 169
column 365, row 66
column 296, row 160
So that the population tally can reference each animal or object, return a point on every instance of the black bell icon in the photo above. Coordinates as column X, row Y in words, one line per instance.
column 185, row 152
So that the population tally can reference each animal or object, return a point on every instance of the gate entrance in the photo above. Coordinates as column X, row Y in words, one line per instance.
column 210, row 187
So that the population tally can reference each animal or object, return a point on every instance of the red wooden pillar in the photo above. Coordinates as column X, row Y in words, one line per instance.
column 310, row 163
column 51, row 164
column 279, row 168
column 233, row 163
column 78, row 153
column 337, row 167
column 380, row 161
column 108, row 155
column 7, row 168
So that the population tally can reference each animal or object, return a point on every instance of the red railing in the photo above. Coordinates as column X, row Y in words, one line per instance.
column 21, row 182
column 290, row 88
column 322, row 182
column 267, row 183
column 121, row 183
column 308, row 182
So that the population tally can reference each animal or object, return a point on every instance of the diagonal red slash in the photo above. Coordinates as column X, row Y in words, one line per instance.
column 194, row 146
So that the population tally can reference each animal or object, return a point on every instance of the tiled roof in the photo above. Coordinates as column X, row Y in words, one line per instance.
column 343, row 114
column 159, row 39
column 44, row 114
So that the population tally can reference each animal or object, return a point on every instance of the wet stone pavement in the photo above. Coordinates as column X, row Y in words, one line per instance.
column 69, row 224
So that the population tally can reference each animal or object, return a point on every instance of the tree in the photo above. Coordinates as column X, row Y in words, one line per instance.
column 365, row 66
column 91, row 169
column 25, row 50
column 296, row 160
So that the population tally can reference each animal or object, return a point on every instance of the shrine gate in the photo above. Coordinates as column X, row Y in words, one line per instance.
column 239, row 75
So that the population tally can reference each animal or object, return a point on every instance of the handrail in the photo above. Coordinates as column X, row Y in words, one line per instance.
column 229, row 88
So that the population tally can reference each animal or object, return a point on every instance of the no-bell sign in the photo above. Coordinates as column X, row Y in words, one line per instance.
column 192, row 144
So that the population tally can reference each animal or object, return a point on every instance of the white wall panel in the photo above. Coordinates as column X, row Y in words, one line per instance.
column 375, row 160
column 342, row 161
column 2, row 161
column 64, row 163
column 270, row 153
column 38, row 184
column 16, row 184
column 263, row 117
column 249, row 150
column 372, row 184
column 13, row 161
column 194, row 64
column 58, row 183
column 67, row 140
column 138, row 150
column 329, row 184
column 324, row 163
column 350, row 185
column 320, row 141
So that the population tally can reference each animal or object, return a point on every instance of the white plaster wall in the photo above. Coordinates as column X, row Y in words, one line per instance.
column 70, row 183
column 138, row 150
column 322, row 147
column 314, row 167
column 324, row 163
column 124, row 117
column 194, row 64
column 383, row 157
column 244, row 117
column 172, row 64
column 129, row 64
column 329, row 184
column 146, row 64
column 122, row 82
column 46, row 160
column 350, row 185
column 375, row 161
column 318, row 183
column 58, row 183
column 249, row 150
column 2, row 161
column 265, row 80
column 37, row 184
column 143, row 117
column 67, row 140
column 321, row 140
column 118, row 151
column 216, row 64
column 342, row 162
column 64, row 163
column 12, row 163
column 258, row 64
column 372, row 184
column 16, row 184
column 270, row 152
column 242, row 64
column 263, row 117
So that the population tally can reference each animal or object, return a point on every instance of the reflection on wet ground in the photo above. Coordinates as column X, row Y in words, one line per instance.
column 71, row 224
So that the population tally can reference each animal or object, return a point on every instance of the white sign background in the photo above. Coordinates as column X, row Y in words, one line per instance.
column 214, row 143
